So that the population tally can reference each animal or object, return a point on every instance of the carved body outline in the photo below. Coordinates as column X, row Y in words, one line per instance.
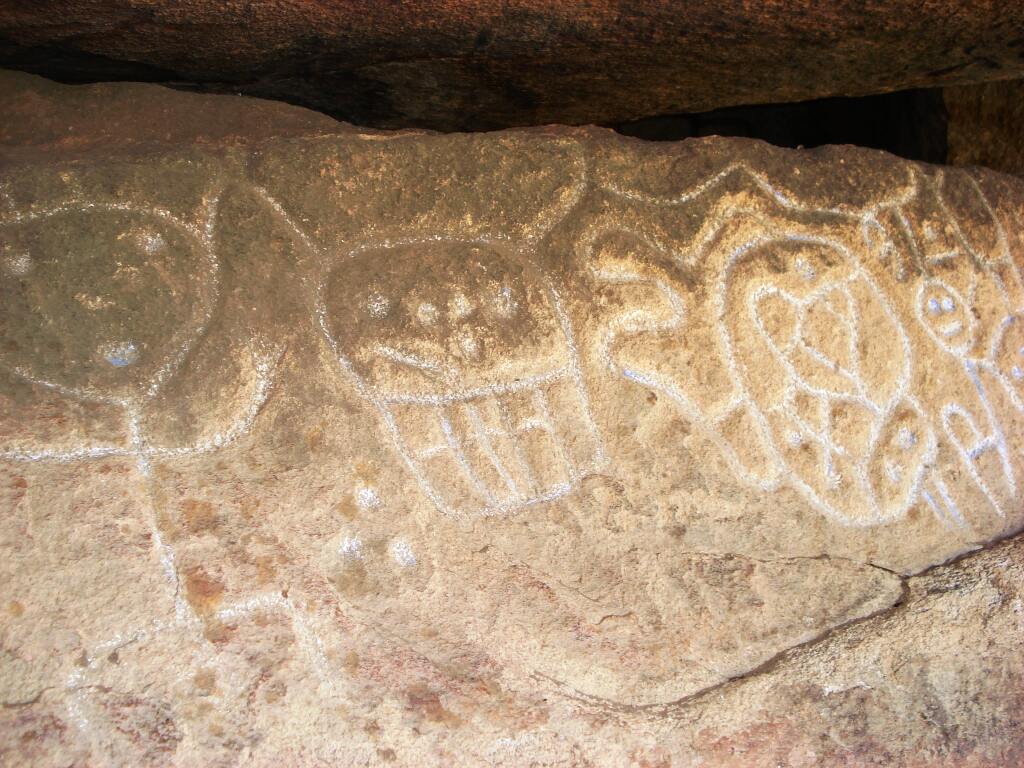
column 140, row 449
column 382, row 403
column 938, row 497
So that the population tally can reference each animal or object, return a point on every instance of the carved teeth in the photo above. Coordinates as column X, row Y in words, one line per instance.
column 426, row 313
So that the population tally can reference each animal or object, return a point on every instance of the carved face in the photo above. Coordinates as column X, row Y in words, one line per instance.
column 900, row 457
column 946, row 316
column 99, row 300
column 463, row 351
column 807, row 313
column 431, row 319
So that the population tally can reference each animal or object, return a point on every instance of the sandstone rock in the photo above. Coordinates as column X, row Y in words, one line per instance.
column 985, row 125
column 457, row 65
column 532, row 448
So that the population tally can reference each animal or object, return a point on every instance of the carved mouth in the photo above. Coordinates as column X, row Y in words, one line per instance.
column 952, row 329
column 494, row 448
column 120, row 354
column 416, row 362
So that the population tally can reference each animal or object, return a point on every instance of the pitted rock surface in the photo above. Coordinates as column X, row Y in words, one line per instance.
column 531, row 448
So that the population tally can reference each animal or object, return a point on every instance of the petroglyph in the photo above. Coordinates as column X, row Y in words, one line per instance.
column 571, row 430
column 851, row 437
column 115, row 299
column 789, row 378
column 967, row 294
column 58, row 333
column 474, row 372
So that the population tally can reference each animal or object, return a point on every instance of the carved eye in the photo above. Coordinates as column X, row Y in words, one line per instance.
column 402, row 553
column 806, row 270
column 19, row 265
column 378, row 305
column 121, row 354
column 367, row 498
column 426, row 313
column 460, row 306
column 469, row 345
column 151, row 242
column 941, row 306
column 906, row 439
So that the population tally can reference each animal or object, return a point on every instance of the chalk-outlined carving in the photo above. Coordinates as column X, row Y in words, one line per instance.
column 120, row 243
column 82, row 683
column 748, row 450
column 853, row 441
column 966, row 296
column 744, row 419
column 481, row 394
column 947, row 317
column 1007, row 358
column 965, row 291
column 479, row 389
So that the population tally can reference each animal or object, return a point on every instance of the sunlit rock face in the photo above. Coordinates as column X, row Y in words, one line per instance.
column 530, row 448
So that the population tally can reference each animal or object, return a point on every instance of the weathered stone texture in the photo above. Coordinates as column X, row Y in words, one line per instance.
column 480, row 64
column 531, row 448
column 986, row 125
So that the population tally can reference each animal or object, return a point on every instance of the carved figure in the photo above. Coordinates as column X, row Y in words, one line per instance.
column 967, row 298
column 793, row 312
column 474, row 373
column 120, row 346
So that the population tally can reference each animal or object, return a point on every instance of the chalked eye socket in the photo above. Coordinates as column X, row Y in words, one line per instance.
column 426, row 317
column 402, row 294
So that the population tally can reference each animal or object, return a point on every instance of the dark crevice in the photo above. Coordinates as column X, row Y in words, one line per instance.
column 77, row 67
column 911, row 124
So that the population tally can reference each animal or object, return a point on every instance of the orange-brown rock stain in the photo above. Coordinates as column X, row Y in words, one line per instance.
column 203, row 592
column 205, row 681
column 352, row 580
column 427, row 703
column 199, row 516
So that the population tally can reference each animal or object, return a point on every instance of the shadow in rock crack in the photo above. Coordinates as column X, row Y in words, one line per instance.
column 911, row 124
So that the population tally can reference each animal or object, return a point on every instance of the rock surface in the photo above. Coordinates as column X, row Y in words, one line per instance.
column 550, row 447
column 481, row 64
column 986, row 125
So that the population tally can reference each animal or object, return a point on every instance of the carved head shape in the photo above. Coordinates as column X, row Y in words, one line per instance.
column 464, row 351
column 945, row 314
column 100, row 300
column 442, row 317
column 804, row 303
